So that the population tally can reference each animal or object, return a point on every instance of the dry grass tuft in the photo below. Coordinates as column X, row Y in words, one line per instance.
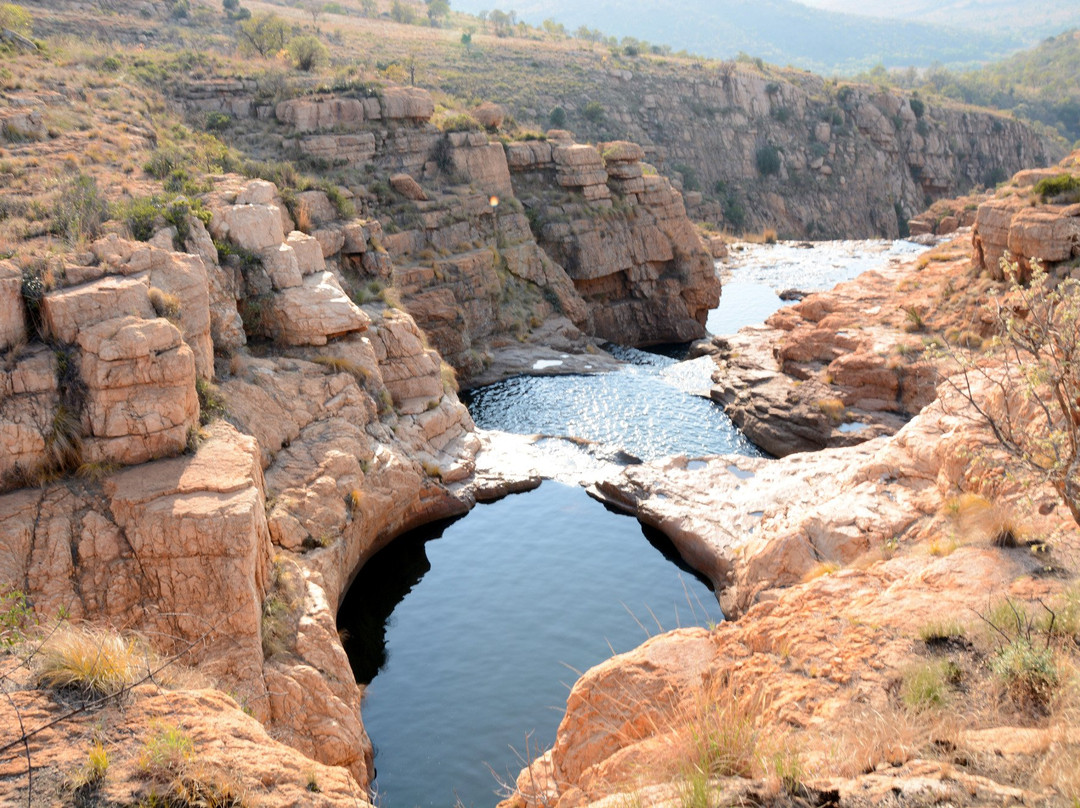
column 977, row 519
column 820, row 570
column 95, row 662
column 869, row 737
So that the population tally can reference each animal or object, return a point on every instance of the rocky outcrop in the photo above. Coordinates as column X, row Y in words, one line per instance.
column 831, row 580
column 1017, row 226
column 602, row 244
column 639, row 264
column 229, row 755
column 843, row 366
column 232, row 554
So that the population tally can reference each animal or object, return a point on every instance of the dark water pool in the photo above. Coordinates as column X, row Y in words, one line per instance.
column 493, row 617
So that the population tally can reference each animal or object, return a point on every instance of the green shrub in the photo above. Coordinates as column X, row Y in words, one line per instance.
column 1061, row 188
column 593, row 112
column 15, row 616
column 140, row 215
column 926, row 685
column 767, row 159
column 917, row 107
column 557, row 117
column 307, row 52
column 80, row 210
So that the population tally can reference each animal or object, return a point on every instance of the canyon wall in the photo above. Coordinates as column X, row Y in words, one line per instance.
column 783, row 148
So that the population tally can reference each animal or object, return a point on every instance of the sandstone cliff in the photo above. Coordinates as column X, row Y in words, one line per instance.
column 228, row 546
column 759, row 146
column 490, row 240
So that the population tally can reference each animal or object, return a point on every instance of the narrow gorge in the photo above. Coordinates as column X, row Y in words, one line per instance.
column 236, row 308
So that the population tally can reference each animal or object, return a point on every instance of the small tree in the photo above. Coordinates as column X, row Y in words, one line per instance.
column 264, row 33
column 437, row 10
column 368, row 8
column 1034, row 407
column 399, row 12
column 307, row 52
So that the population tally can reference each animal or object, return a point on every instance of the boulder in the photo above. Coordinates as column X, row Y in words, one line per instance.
column 490, row 115
column 252, row 227
column 1050, row 234
column 65, row 312
column 282, row 265
column 257, row 192
column 29, row 397
column 406, row 103
column 140, row 399
column 316, row 206
column 409, row 188
column 309, row 255
column 314, row 312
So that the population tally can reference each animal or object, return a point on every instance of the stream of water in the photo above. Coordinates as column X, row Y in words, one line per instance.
column 471, row 632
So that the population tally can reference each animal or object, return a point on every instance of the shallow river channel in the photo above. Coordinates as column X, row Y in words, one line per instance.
column 471, row 632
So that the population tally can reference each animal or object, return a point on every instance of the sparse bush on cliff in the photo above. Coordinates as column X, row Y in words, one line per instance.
column 593, row 112
column 80, row 210
column 767, row 159
column 458, row 122
column 263, row 34
column 1064, row 188
column 307, row 52
column 1024, row 657
column 1032, row 403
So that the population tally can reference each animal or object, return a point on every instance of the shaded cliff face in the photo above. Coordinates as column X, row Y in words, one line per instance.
column 789, row 149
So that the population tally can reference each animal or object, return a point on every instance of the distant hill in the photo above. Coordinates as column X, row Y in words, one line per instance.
column 779, row 31
column 1030, row 19
column 1041, row 84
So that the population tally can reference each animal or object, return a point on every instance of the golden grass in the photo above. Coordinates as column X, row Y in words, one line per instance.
column 977, row 519
column 97, row 662
column 819, row 570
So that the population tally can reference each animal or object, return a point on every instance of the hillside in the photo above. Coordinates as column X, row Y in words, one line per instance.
column 1041, row 84
column 779, row 31
column 1029, row 19
column 753, row 146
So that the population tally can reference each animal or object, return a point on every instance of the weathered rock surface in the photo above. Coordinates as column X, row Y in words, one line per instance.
column 314, row 312
column 231, row 753
column 836, row 368
column 12, row 316
column 831, row 581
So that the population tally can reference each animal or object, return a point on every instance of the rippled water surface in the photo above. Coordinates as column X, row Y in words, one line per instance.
column 648, row 408
column 755, row 274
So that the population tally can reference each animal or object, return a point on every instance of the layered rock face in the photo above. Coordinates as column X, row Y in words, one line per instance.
column 626, row 242
column 227, row 546
column 496, row 240
column 1017, row 226
column 792, row 150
